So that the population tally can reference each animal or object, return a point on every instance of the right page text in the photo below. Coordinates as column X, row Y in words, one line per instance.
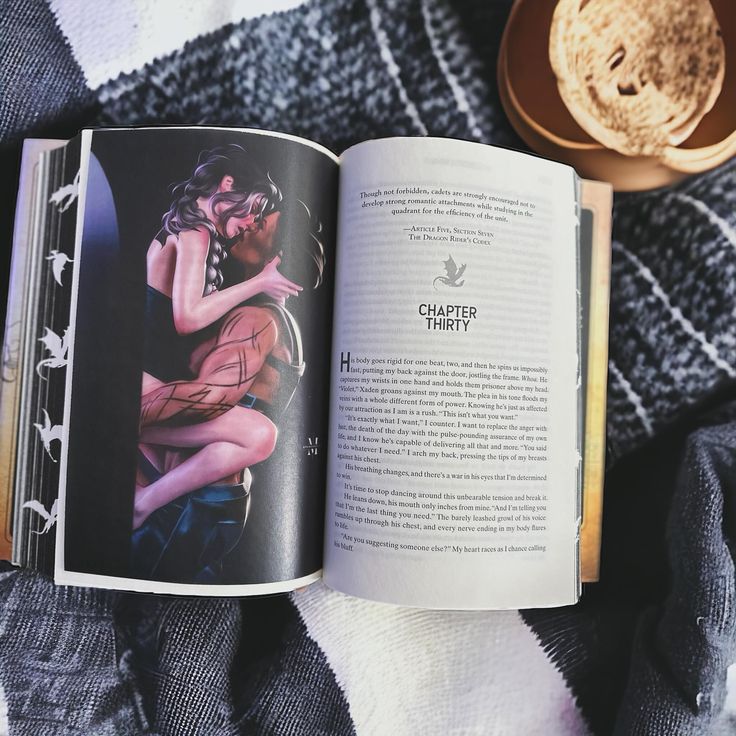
column 454, row 419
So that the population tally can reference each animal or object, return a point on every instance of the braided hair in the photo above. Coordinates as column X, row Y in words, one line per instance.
column 253, row 192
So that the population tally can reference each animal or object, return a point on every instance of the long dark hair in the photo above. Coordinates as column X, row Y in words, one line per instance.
column 253, row 191
column 299, row 237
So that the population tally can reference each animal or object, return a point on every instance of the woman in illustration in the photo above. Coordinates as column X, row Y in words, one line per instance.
column 255, row 360
column 226, row 199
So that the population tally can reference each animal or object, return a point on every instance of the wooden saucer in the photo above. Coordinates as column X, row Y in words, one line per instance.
column 528, row 91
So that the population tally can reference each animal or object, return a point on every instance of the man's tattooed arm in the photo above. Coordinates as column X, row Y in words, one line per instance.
column 246, row 338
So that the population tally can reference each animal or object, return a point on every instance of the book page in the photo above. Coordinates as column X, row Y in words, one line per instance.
column 454, row 407
column 192, row 457
column 596, row 199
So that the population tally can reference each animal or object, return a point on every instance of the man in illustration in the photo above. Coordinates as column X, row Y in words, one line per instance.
column 254, row 360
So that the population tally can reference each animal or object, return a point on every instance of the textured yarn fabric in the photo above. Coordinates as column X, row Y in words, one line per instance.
column 183, row 650
column 684, row 646
column 658, row 629
column 62, row 667
column 647, row 649
column 672, row 338
column 42, row 84
column 453, row 672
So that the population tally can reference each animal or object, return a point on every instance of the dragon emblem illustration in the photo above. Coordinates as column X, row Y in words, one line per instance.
column 58, row 262
column 453, row 275
column 49, row 517
column 48, row 433
column 63, row 197
column 57, row 347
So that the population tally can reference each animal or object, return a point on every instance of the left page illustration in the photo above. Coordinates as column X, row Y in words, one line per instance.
column 196, row 399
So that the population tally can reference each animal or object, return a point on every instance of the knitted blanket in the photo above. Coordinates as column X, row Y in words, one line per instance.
column 646, row 651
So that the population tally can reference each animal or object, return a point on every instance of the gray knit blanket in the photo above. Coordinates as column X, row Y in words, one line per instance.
column 646, row 651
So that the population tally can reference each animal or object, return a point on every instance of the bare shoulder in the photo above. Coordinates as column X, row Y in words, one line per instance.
column 193, row 243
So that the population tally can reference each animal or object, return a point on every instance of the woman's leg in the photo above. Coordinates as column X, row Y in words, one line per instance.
column 235, row 440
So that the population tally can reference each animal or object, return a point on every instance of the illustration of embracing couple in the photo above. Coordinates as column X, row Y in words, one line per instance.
column 222, row 360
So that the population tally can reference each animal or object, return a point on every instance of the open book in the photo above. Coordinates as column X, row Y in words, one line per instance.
column 235, row 363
